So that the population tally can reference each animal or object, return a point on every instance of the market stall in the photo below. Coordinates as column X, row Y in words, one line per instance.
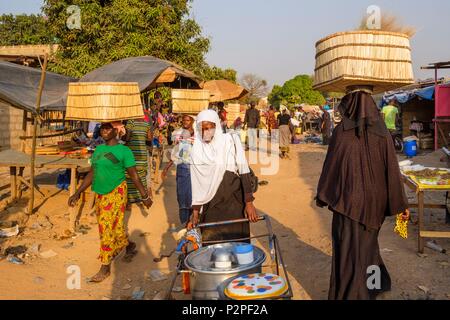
column 422, row 180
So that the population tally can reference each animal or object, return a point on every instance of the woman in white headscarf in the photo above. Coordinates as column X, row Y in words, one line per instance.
column 220, row 177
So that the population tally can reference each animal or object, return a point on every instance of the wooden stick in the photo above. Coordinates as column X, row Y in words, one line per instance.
column 33, row 148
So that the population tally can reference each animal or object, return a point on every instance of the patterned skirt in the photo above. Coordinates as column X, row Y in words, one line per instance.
column 110, row 215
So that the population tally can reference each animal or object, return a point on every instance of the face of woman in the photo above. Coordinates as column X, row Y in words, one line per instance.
column 208, row 131
column 187, row 122
column 107, row 131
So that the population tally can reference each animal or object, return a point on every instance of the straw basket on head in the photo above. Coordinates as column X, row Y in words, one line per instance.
column 234, row 112
column 189, row 101
column 363, row 58
column 104, row 101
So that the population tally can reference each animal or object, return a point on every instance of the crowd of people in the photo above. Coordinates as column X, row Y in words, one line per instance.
column 214, row 180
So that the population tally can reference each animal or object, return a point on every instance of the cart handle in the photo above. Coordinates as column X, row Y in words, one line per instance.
column 224, row 223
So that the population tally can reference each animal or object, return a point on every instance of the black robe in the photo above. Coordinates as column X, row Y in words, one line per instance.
column 228, row 204
column 361, row 184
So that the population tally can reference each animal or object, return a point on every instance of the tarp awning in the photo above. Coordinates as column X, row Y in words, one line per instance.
column 404, row 96
column 143, row 70
column 19, row 87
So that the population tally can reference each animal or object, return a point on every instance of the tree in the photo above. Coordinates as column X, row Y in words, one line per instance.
column 296, row 91
column 23, row 29
column 256, row 86
column 216, row 73
column 117, row 29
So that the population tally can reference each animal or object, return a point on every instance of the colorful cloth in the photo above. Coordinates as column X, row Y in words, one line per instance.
column 137, row 144
column 110, row 164
column 110, row 210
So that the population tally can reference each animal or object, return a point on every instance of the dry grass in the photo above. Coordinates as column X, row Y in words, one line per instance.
column 391, row 23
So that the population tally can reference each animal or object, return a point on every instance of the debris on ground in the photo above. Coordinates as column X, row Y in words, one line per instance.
column 386, row 250
column 160, row 296
column 34, row 249
column 13, row 259
column 156, row 276
column 434, row 246
column 16, row 250
column 126, row 287
column 263, row 183
column 424, row 289
column 138, row 294
column 9, row 232
column 48, row 254
column 177, row 289
column 422, row 255
column 68, row 245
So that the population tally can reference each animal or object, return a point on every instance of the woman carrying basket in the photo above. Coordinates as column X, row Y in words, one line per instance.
column 107, row 176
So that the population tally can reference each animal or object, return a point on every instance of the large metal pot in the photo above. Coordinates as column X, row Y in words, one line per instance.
column 207, row 280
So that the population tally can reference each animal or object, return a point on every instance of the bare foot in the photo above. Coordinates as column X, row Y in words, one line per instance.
column 104, row 273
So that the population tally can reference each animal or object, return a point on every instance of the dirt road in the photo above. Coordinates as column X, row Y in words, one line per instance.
column 302, row 228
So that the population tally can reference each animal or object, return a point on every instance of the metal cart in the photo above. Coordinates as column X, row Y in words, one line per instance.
column 276, row 262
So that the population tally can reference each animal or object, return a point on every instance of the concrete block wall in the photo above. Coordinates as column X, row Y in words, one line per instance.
column 10, row 126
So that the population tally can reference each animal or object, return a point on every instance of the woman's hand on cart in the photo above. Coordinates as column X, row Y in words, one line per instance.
column 193, row 222
column 250, row 212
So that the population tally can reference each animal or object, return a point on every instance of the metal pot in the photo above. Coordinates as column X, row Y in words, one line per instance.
column 207, row 280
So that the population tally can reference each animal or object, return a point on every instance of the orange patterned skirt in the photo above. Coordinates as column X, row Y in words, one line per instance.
column 110, row 215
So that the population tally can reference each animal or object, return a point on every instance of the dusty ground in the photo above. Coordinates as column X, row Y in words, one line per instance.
column 302, row 228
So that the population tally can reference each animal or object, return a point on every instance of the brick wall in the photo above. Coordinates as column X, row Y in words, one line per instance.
column 10, row 126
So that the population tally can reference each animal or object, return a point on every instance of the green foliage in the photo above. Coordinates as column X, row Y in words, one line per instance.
column 296, row 91
column 216, row 73
column 23, row 30
column 117, row 29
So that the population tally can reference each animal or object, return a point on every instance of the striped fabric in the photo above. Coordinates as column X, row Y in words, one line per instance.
column 137, row 144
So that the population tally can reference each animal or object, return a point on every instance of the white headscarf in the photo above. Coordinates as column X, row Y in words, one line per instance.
column 209, row 161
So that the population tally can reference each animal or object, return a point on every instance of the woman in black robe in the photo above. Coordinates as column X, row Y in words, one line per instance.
column 361, row 184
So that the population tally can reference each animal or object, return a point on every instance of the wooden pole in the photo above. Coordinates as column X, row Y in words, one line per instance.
column 35, row 124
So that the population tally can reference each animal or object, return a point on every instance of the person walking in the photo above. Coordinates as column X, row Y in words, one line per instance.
column 251, row 122
column 361, row 185
column 107, row 177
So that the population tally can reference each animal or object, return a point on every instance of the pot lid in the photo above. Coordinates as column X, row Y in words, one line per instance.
column 202, row 260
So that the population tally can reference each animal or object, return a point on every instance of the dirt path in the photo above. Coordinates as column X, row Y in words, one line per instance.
column 302, row 228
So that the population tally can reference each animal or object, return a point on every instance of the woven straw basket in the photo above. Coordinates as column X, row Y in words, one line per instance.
column 234, row 112
column 189, row 101
column 377, row 58
column 104, row 101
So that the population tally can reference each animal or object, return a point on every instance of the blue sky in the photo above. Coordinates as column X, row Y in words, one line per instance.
column 275, row 38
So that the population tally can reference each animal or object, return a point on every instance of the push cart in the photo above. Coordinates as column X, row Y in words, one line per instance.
column 276, row 262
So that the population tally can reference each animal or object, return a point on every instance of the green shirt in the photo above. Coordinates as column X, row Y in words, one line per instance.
column 390, row 113
column 110, row 164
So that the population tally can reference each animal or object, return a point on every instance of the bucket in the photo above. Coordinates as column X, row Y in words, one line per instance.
column 411, row 148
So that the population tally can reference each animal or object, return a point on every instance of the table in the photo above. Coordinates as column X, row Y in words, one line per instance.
column 421, row 205
column 19, row 160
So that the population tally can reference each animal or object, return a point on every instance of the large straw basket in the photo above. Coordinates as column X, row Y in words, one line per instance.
column 104, row 101
column 189, row 101
column 234, row 112
column 377, row 58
